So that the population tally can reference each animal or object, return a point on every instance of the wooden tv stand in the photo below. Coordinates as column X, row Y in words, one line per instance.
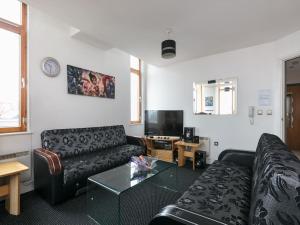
column 161, row 153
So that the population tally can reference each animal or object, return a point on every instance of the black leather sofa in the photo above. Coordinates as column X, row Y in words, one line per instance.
column 69, row 156
column 242, row 187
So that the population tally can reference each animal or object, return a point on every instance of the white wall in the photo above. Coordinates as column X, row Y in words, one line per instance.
column 258, row 67
column 50, row 106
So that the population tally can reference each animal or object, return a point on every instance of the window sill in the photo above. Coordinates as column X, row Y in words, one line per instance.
column 135, row 123
column 16, row 133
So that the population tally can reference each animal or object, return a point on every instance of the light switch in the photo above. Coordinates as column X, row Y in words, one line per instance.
column 269, row 112
column 260, row 112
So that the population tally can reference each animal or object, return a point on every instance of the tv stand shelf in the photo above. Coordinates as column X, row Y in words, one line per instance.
column 165, row 154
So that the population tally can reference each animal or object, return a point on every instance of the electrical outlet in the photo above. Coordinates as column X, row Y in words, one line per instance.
column 269, row 112
column 216, row 143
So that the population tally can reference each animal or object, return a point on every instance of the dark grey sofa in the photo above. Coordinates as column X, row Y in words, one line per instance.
column 69, row 156
column 257, row 188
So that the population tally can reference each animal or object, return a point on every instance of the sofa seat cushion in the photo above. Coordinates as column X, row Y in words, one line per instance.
column 222, row 193
column 83, row 166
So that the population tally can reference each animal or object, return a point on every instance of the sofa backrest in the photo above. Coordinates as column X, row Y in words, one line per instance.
column 71, row 142
column 275, row 197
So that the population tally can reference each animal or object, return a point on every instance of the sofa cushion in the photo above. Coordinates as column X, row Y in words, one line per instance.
column 276, row 184
column 71, row 142
column 83, row 166
column 222, row 192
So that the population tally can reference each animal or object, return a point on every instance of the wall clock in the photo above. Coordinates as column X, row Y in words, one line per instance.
column 50, row 67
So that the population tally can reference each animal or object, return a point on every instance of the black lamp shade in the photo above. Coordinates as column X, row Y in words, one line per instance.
column 168, row 49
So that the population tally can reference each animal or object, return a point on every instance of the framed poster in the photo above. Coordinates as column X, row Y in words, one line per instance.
column 89, row 83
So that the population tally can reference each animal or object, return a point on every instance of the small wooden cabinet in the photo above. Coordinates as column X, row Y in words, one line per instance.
column 161, row 153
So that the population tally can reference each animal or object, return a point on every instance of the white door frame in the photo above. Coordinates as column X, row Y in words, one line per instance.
column 283, row 91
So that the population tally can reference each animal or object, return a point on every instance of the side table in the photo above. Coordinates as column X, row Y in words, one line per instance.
column 11, row 191
column 183, row 153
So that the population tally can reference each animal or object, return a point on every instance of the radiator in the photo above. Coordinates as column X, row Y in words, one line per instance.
column 23, row 157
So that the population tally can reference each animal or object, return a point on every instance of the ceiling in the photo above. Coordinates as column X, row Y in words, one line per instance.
column 200, row 27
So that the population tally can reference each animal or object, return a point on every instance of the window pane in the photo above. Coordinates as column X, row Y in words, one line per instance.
column 134, row 97
column 10, row 10
column 9, row 79
column 134, row 63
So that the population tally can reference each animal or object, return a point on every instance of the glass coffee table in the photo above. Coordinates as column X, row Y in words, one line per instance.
column 125, row 195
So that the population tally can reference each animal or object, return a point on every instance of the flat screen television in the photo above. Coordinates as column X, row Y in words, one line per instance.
column 163, row 122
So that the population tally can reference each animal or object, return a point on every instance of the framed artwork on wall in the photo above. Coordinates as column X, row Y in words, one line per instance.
column 209, row 101
column 89, row 83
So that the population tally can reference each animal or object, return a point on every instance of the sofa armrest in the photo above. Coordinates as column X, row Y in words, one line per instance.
column 48, row 178
column 239, row 157
column 132, row 140
column 173, row 215
column 52, row 160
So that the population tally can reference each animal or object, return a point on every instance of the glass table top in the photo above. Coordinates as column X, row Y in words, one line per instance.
column 121, row 178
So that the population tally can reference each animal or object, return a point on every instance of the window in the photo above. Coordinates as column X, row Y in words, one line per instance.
column 135, row 90
column 13, row 67
column 215, row 97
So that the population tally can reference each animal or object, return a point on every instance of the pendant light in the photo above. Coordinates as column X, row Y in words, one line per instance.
column 168, row 47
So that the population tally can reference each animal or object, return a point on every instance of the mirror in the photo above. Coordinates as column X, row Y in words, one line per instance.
column 215, row 97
